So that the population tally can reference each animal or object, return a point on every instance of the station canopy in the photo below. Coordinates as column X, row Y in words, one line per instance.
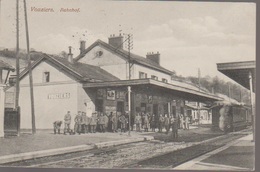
column 158, row 86
column 239, row 72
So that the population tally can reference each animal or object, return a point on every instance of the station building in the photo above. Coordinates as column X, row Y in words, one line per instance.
column 97, row 80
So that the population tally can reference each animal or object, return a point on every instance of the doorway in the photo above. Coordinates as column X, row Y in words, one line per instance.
column 99, row 105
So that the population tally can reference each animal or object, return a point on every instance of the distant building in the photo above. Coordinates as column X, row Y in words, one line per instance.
column 199, row 113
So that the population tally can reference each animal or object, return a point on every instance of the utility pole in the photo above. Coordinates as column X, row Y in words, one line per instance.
column 30, row 69
column 17, row 88
column 130, row 47
column 129, row 108
column 198, row 105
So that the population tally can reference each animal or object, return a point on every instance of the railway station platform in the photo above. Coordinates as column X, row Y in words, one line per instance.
column 238, row 155
column 45, row 143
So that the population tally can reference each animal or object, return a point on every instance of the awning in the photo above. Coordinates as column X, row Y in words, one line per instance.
column 186, row 93
column 239, row 72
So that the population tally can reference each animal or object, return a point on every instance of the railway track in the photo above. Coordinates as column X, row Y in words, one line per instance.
column 150, row 154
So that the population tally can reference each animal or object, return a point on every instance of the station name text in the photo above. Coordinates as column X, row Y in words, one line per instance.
column 72, row 10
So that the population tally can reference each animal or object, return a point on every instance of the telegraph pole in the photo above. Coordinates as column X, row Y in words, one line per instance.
column 17, row 88
column 198, row 105
column 30, row 69
column 130, row 47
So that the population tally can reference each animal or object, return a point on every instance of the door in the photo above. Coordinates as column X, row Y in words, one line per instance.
column 99, row 105
column 120, row 107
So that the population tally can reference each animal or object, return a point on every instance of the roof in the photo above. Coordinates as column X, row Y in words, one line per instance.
column 6, row 66
column 239, row 72
column 124, row 54
column 80, row 71
column 181, row 91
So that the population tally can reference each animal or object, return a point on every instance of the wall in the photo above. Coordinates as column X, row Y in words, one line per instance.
column 107, row 61
column 117, row 66
column 55, row 75
column 47, row 109
column 52, row 100
column 160, row 75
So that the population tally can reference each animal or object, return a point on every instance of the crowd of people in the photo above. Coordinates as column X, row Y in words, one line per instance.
column 100, row 122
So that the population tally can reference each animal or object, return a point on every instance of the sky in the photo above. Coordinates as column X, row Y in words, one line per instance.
column 188, row 35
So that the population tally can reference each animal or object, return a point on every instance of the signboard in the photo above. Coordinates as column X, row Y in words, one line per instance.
column 59, row 96
column 111, row 94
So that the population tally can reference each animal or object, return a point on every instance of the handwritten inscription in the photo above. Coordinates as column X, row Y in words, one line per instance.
column 35, row 9
column 66, row 10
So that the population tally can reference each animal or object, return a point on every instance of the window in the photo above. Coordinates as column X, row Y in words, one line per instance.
column 164, row 80
column 142, row 75
column 46, row 77
column 154, row 77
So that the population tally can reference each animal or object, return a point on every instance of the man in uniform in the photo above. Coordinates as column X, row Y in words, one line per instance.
column 122, row 120
column 83, row 123
column 114, row 122
column 106, row 122
column 77, row 120
column 102, row 123
column 152, row 123
column 138, row 122
column 166, row 123
column 67, row 121
column 146, row 122
column 161, row 123
column 56, row 126
column 93, row 123
column 175, row 126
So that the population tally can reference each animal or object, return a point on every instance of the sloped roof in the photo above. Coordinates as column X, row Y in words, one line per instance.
column 5, row 66
column 123, row 53
column 80, row 71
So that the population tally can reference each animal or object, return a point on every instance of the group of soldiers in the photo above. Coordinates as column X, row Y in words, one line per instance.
column 113, row 122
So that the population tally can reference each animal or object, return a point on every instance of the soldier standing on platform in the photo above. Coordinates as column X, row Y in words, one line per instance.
column 187, row 121
column 77, row 126
column 138, row 122
column 175, row 126
column 161, row 122
column 153, row 123
column 67, row 121
column 114, row 122
column 83, row 122
column 146, row 122
column 93, row 123
column 102, row 123
column 87, row 122
column 122, row 120
column 166, row 123
column 106, row 122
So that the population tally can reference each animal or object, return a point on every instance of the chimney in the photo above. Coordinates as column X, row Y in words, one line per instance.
column 82, row 46
column 70, row 55
column 116, row 41
column 154, row 57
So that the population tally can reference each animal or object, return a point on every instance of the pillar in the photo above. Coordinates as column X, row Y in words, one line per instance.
column 252, row 103
column 2, row 110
